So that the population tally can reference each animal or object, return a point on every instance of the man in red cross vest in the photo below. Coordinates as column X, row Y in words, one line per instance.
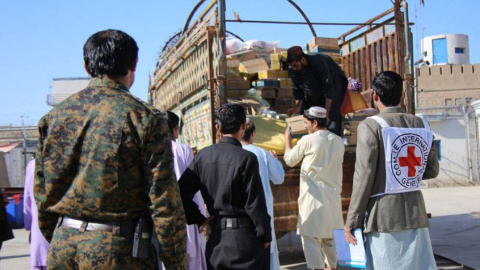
column 394, row 153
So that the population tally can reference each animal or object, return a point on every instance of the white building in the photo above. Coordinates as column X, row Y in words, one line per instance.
column 64, row 87
column 445, row 49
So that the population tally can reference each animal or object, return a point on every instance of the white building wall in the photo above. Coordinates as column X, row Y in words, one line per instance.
column 453, row 41
column 454, row 155
column 64, row 87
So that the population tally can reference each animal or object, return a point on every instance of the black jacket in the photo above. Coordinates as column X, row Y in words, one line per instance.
column 229, row 180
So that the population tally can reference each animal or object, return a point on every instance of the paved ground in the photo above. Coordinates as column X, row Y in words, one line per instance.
column 454, row 230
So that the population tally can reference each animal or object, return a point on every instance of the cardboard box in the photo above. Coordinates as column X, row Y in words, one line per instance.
column 350, row 140
column 284, row 101
column 296, row 125
column 279, row 50
column 268, row 93
column 285, row 82
column 250, row 68
column 350, row 127
column 272, row 74
column 327, row 51
column 242, row 56
column 266, row 83
column 324, row 42
column 235, row 82
column 285, row 92
column 237, row 93
column 275, row 61
column 233, row 63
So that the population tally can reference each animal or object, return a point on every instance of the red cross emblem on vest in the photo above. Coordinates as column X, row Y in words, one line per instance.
column 410, row 161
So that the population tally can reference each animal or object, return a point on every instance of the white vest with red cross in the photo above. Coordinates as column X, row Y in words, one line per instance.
column 406, row 156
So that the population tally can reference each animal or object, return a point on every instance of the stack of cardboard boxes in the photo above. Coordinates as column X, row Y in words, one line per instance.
column 269, row 78
column 269, row 75
column 328, row 46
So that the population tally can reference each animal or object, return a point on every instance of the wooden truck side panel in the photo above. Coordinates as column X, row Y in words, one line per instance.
column 189, row 80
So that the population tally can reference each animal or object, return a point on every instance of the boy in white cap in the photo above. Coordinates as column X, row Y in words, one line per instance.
column 319, row 201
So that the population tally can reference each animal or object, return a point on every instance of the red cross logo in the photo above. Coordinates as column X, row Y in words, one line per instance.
column 410, row 161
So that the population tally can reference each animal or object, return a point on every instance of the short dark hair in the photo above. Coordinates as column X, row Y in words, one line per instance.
column 249, row 130
column 173, row 120
column 110, row 52
column 389, row 87
column 230, row 117
column 322, row 122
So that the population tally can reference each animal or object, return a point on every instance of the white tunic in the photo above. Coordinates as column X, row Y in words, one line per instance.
column 271, row 169
column 319, row 201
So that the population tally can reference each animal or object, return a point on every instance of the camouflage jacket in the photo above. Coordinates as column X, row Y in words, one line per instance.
column 97, row 152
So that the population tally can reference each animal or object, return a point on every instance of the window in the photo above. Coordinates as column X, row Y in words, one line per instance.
column 459, row 101
column 425, row 53
column 459, row 50
column 448, row 102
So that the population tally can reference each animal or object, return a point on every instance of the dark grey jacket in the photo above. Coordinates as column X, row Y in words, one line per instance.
column 392, row 212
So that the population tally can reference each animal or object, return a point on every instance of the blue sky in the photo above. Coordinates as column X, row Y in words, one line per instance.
column 42, row 40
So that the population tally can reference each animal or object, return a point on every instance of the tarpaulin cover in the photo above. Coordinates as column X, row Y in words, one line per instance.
column 7, row 148
column 270, row 133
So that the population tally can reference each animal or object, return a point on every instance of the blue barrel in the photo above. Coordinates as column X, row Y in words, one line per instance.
column 15, row 213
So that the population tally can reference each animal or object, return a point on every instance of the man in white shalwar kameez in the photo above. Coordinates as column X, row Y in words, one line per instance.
column 319, row 201
column 271, row 169
column 183, row 155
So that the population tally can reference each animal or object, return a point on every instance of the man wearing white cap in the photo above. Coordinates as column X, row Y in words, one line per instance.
column 319, row 201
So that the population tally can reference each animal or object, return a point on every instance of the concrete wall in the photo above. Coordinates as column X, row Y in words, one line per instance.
column 453, row 41
column 454, row 158
column 436, row 84
column 13, row 163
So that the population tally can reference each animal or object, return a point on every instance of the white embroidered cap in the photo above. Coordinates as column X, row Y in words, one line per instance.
column 317, row 112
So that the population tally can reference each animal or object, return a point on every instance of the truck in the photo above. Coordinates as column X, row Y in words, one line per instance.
column 192, row 79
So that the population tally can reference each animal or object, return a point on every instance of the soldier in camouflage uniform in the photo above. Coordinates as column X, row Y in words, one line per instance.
column 99, row 152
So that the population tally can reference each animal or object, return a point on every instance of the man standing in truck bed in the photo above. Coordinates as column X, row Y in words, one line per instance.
column 317, row 81
column 229, row 180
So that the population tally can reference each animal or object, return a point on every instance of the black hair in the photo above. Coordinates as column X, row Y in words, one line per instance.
column 173, row 120
column 322, row 122
column 389, row 87
column 110, row 52
column 230, row 117
column 249, row 130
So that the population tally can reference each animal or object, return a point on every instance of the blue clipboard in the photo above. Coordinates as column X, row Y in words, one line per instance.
column 350, row 255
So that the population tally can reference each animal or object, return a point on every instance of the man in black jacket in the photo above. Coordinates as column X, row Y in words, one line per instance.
column 317, row 81
column 229, row 180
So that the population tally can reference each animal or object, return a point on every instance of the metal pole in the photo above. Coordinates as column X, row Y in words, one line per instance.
column 467, row 130
column 222, row 58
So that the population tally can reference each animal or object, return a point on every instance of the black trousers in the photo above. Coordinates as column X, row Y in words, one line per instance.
column 236, row 249
column 335, row 117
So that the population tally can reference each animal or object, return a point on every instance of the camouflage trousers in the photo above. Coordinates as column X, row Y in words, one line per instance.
column 72, row 249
